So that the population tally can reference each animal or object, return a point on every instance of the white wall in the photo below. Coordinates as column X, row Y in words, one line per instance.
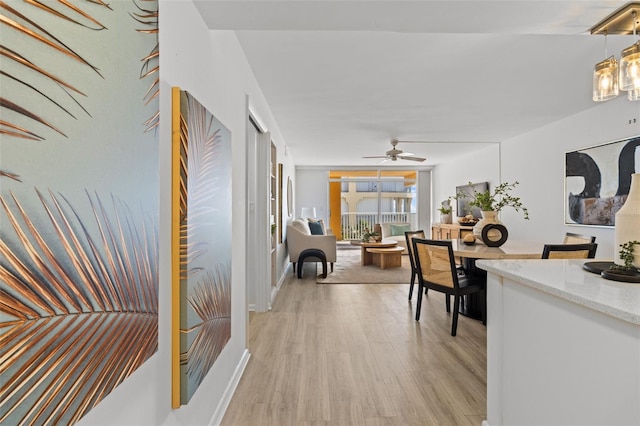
column 536, row 160
column 311, row 189
column 477, row 166
column 212, row 67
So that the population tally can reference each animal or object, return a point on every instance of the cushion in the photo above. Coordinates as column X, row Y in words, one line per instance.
column 316, row 228
column 399, row 229
column 318, row 221
column 301, row 226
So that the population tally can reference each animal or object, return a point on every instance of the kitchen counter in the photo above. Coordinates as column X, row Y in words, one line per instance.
column 563, row 345
column 567, row 280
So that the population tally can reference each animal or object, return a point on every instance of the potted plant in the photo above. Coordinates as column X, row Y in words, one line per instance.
column 372, row 237
column 628, row 257
column 491, row 203
column 446, row 211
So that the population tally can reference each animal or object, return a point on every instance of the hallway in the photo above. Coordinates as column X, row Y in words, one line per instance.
column 348, row 354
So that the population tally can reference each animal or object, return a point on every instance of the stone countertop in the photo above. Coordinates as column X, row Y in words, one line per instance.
column 567, row 280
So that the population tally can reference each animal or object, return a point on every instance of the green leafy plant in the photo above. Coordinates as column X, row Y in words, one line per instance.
column 626, row 255
column 273, row 228
column 366, row 236
column 497, row 200
column 445, row 207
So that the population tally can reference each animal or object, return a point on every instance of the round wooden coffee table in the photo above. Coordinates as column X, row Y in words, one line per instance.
column 366, row 258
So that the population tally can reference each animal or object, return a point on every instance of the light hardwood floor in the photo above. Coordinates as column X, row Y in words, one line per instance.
column 352, row 354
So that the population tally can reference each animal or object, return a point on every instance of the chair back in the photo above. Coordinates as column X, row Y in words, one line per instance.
column 435, row 262
column 571, row 238
column 569, row 251
column 409, row 236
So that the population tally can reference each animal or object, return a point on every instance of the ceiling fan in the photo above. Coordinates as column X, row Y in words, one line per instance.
column 394, row 154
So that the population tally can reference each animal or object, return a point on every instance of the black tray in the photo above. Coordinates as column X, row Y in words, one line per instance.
column 602, row 268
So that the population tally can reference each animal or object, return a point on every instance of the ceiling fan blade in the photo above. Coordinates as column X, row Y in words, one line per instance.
column 385, row 160
column 412, row 158
column 377, row 156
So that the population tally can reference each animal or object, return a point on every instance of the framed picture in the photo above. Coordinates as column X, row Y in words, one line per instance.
column 597, row 181
column 201, row 243
column 289, row 197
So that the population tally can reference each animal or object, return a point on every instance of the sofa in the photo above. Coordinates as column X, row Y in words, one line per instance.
column 303, row 233
column 395, row 231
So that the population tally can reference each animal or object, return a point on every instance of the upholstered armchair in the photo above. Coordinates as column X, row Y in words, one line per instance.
column 300, row 238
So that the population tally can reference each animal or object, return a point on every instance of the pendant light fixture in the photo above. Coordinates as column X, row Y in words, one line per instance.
column 630, row 64
column 608, row 77
column 633, row 95
column 605, row 77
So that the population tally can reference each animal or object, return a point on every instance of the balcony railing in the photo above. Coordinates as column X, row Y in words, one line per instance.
column 354, row 224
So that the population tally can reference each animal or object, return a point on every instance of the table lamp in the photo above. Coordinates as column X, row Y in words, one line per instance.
column 309, row 212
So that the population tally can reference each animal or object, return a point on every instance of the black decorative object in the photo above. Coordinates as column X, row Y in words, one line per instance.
column 624, row 276
column 494, row 234
column 605, row 271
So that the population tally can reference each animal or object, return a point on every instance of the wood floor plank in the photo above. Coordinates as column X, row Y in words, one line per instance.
column 352, row 354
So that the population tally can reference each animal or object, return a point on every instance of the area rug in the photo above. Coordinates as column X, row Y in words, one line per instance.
column 347, row 270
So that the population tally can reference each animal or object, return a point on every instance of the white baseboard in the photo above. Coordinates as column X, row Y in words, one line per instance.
column 276, row 289
column 216, row 419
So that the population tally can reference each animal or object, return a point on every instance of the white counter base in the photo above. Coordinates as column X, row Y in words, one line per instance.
column 552, row 361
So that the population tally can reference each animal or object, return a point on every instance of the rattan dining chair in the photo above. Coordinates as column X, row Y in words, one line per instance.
column 410, row 235
column 437, row 271
column 569, row 251
column 571, row 238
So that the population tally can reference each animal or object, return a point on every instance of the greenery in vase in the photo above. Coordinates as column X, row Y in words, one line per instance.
column 626, row 255
column 497, row 200
column 445, row 207
column 368, row 235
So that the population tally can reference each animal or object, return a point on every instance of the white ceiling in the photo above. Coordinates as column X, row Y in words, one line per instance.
column 343, row 78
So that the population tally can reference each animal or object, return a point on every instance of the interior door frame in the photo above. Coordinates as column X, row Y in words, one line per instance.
column 257, row 236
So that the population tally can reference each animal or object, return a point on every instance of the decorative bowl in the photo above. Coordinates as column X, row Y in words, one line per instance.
column 471, row 223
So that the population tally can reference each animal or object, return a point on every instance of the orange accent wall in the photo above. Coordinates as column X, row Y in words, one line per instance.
column 335, row 206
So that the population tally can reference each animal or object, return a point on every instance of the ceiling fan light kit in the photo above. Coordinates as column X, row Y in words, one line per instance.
column 609, row 77
column 395, row 154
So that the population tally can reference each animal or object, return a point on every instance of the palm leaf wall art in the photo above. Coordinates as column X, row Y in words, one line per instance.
column 148, row 16
column 33, row 74
column 55, row 92
column 79, row 307
column 201, row 243
column 78, row 277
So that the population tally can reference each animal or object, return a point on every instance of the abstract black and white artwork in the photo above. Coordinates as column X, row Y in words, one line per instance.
column 597, row 181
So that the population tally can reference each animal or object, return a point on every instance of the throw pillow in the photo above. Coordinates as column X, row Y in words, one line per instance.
column 399, row 229
column 321, row 222
column 315, row 228
column 301, row 226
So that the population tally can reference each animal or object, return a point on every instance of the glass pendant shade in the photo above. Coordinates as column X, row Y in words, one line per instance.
column 630, row 68
column 633, row 95
column 605, row 80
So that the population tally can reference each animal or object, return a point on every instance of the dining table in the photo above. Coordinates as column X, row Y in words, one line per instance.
column 469, row 253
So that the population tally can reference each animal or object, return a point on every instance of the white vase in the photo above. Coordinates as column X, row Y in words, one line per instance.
column 628, row 222
column 487, row 218
column 445, row 218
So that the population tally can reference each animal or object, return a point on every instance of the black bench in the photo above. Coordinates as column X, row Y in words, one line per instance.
column 312, row 255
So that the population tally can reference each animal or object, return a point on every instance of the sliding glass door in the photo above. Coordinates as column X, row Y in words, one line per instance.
column 369, row 197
